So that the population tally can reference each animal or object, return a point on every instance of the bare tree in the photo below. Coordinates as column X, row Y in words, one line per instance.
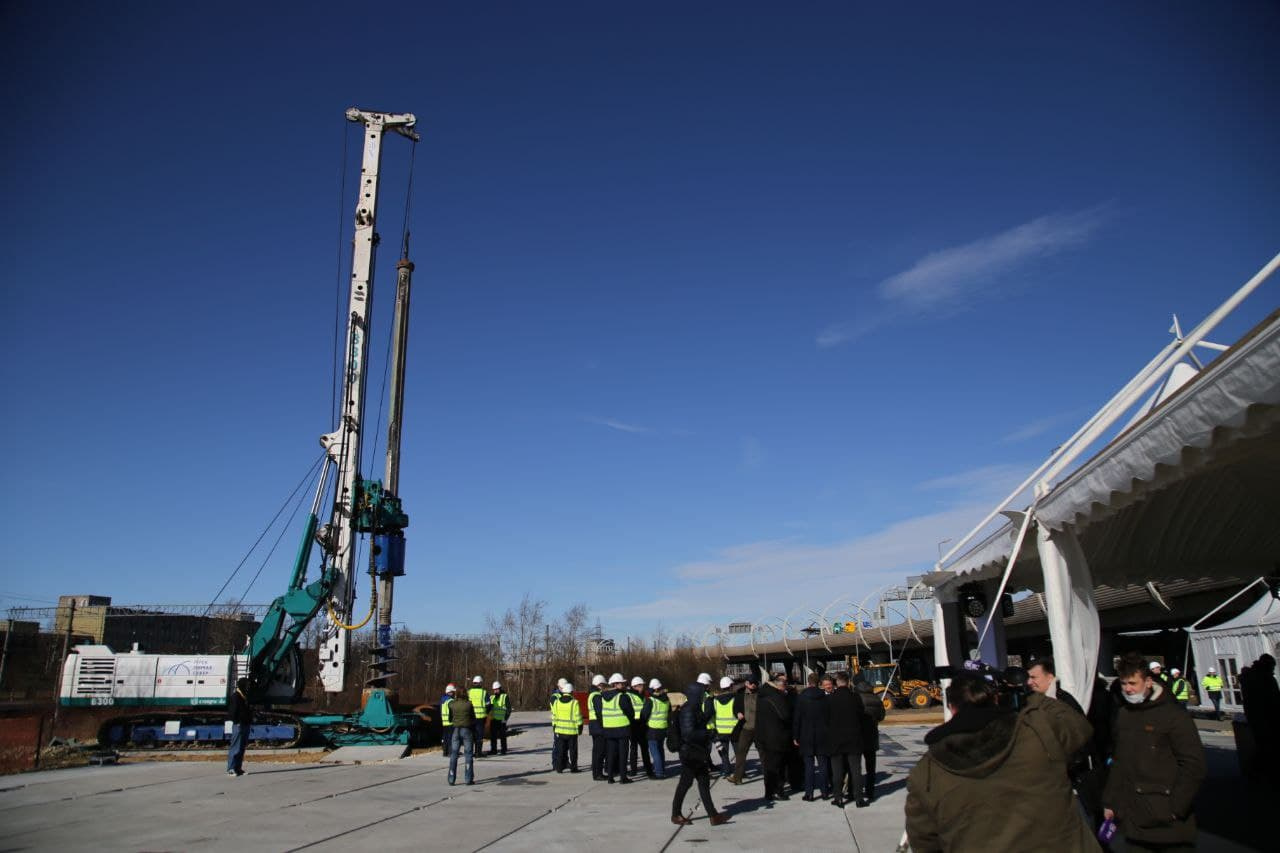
column 520, row 634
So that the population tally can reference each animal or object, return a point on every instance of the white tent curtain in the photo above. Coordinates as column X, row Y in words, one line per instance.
column 1235, row 644
column 1072, row 612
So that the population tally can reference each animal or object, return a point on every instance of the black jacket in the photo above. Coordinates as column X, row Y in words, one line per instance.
column 1157, row 768
column 239, row 710
column 773, row 719
column 809, row 725
column 695, row 737
column 844, row 722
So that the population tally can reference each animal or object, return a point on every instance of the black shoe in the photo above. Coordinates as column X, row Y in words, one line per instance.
column 838, row 803
column 783, row 797
column 651, row 775
column 863, row 803
column 611, row 780
column 595, row 777
column 624, row 781
column 574, row 770
column 560, row 770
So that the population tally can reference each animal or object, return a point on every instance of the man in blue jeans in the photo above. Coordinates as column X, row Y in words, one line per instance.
column 241, row 714
column 656, row 714
column 463, row 715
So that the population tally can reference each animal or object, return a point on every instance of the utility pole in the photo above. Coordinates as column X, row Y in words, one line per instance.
column 66, row 644
column 4, row 656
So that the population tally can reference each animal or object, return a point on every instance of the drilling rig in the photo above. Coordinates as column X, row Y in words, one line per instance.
column 353, row 506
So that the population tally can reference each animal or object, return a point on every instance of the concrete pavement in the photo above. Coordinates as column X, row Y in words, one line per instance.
column 517, row 803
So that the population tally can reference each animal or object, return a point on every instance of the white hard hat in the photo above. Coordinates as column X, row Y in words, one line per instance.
column 704, row 678
column 617, row 678
column 566, row 687
column 1155, row 664
column 451, row 688
column 655, row 684
column 1176, row 671
column 637, row 682
column 477, row 680
column 561, row 682
column 726, row 682
column 1212, row 671
column 597, row 680
column 497, row 685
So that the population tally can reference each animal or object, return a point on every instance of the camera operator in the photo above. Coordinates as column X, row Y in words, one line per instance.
column 996, row 779
column 1085, row 767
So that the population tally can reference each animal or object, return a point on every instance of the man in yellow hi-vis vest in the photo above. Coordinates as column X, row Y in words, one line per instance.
column 1212, row 684
column 446, row 722
column 596, row 728
column 499, row 710
column 726, row 721
column 480, row 701
column 566, row 725
column 614, row 709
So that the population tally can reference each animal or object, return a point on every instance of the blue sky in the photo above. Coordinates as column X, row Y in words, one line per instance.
column 721, row 309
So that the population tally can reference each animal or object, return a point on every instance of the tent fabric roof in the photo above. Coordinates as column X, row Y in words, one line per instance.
column 1237, row 396
column 1187, row 491
column 1264, row 611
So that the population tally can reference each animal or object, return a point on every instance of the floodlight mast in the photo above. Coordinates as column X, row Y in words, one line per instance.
column 343, row 445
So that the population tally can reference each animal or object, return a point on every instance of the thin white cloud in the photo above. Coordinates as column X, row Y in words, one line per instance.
column 620, row 426
column 987, row 481
column 960, row 275
column 1035, row 428
column 766, row 580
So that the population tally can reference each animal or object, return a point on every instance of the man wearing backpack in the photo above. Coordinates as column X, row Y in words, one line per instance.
column 695, row 720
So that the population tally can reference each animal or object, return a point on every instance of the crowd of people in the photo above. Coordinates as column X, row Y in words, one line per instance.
column 820, row 741
column 466, row 717
column 1032, row 771
column 1019, row 764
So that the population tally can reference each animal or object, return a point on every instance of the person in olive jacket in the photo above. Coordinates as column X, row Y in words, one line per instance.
column 1157, row 767
column 996, row 779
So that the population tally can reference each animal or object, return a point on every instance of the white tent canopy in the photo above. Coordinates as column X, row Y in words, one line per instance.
column 1235, row 644
column 1186, row 490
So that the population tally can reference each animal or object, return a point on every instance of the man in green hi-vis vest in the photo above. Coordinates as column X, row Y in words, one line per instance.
column 499, row 710
column 1212, row 684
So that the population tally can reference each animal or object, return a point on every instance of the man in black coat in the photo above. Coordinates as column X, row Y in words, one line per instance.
column 844, row 742
column 241, row 714
column 874, row 714
column 809, row 732
column 773, row 735
column 695, row 752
